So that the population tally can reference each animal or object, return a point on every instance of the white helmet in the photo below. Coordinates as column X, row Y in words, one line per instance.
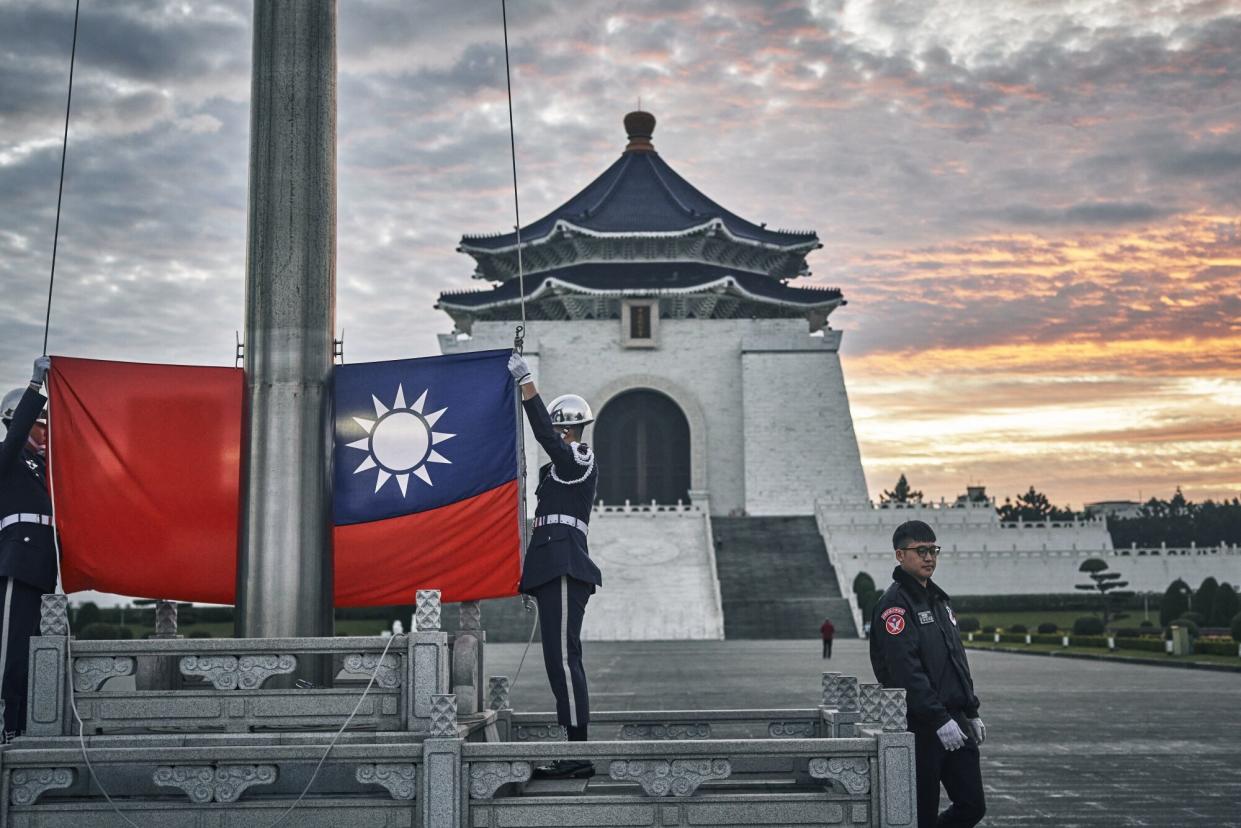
column 570, row 410
column 9, row 405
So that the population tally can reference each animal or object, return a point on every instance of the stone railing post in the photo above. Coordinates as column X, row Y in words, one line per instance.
column 840, row 709
column 441, row 766
column 498, row 688
column 895, row 763
column 46, row 694
column 427, row 661
column 160, row 672
column 467, row 659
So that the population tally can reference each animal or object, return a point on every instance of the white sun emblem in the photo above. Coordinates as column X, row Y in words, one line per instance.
column 401, row 441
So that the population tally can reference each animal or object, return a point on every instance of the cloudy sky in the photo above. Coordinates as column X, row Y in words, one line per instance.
column 1032, row 207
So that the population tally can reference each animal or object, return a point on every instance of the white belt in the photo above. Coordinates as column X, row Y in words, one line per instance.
column 567, row 520
column 25, row 517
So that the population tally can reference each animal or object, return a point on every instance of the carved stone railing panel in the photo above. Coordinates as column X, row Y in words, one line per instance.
column 165, row 618
column 401, row 780
column 54, row 615
column 487, row 777
column 90, row 672
column 892, row 711
column 852, row 773
column 26, row 785
column 214, row 783
column 233, row 673
column 659, row 730
column 443, row 716
column 498, row 688
column 661, row 777
column 829, row 686
column 800, row 729
column 389, row 672
column 427, row 610
column 538, row 733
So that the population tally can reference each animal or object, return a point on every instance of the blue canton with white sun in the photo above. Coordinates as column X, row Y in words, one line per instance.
column 417, row 434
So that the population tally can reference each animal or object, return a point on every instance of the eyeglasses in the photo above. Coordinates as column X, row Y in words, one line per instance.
column 923, row 551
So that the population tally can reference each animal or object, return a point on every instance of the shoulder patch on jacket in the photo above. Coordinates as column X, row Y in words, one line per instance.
column 894, row 620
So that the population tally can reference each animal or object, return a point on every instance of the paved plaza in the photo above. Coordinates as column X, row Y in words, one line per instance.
column 1070, row 743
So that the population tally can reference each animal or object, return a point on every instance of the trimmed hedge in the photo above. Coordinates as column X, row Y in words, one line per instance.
column 1099, row 641
column 99, row 631
column 1149, row 645
column 968, row 623
column 1018, row 628
column 1215, row 647
column 1045, row 639
column 1049, row 601
column 1013, row 638
column 1047, row 628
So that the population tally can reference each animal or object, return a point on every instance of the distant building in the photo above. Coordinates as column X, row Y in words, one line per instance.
column 1114, row 508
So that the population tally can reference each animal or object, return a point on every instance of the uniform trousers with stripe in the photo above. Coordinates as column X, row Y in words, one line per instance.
column 19, row 619
column 562, row 605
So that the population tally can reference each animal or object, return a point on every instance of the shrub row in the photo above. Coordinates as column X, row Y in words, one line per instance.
column 1038, row 603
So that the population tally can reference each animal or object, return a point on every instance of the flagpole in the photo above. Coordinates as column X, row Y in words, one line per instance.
column 284, row 562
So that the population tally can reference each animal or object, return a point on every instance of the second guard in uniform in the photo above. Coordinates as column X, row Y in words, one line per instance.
column 27, row 548
column 914, row 644
column 558, row 570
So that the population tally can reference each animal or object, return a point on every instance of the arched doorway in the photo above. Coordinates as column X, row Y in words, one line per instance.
column 642, row 442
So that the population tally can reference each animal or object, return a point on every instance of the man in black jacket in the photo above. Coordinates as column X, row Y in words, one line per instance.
column 27, row 549
column 914, row 644
column 558, row 570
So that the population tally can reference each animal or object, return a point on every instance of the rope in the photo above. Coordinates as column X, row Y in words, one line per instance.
column 64, row 150
column 512, row 145
column 519, row 336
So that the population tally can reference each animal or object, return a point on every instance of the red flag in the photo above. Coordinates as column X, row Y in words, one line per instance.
column 146, row 466
column 146, row 470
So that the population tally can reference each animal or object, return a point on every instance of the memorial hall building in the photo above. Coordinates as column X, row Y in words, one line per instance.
column 732, row 500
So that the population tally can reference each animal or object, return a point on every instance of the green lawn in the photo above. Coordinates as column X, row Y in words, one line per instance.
column 1117, row 655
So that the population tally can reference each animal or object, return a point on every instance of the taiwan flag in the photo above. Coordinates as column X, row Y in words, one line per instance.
column 146, row 466
column 426, row 491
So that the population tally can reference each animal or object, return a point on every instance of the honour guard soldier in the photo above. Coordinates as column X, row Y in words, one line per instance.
column 558, row 570
column 27, row 548
column 914, row 644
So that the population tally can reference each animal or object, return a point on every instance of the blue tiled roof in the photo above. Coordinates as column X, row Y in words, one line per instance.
column 641, row 278
column 641, row 193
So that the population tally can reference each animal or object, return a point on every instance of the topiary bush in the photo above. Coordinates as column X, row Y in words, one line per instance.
column 1047, row 628
column 99, row 631
column 968, row 623
column 1146, row 622
column 1018, row 628
column 1088, row 625
column 1197, row 617
column 988, row 629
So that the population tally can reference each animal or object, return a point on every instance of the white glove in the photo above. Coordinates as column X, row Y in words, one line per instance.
column 519, row 368
column 979, row 730
column 41, row 366
column 951, row 736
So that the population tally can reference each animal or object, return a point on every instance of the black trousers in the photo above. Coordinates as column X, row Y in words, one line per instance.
column 562, row 606
column 961, row 776
column 827, row 648
column 19, row 619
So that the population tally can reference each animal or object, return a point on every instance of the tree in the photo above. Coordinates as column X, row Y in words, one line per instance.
column 1204, row 598
column 1107, row 584
column 1175, row 602
column 901, row 493
column 1226, row 605
column 863, row 583
column 1035, row 507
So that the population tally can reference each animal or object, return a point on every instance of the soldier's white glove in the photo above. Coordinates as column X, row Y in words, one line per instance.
column 519, row 368
column 41, row 366
column 951, row 736
column 979, row 730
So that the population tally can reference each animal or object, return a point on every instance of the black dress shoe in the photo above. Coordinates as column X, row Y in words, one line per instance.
column 565, row 769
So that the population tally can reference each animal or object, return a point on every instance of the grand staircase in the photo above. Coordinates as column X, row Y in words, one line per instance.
column 776, row 580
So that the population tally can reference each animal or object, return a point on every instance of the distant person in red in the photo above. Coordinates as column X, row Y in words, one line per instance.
column 828, row 631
